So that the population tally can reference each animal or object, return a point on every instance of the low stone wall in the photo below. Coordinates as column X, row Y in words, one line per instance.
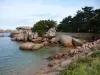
column 85, row 36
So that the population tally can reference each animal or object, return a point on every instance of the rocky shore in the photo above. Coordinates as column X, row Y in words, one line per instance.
column 33, row 41
column 60, row 61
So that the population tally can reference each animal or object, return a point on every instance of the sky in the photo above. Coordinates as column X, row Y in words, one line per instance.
column 15, row 13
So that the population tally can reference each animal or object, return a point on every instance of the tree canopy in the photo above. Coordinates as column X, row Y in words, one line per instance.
column 43, row 26
column 85, row 20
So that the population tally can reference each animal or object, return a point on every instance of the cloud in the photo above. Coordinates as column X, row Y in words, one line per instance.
column 15, row 13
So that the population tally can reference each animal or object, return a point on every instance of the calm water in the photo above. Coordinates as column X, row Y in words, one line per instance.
column 16, row 62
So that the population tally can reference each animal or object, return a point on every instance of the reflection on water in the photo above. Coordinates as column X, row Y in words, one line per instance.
column 16, row 62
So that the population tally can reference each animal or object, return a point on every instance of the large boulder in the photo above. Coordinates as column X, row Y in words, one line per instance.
column 35, row 35
column 54, row 40
column 37, row 46
column 50, row 33
column 31, row 36
column 20, row 37
column 77, row 42
column 45, row 43
column 21, row 34
column 45, row 39
column 37, row 40
column 27, row 46
column 13, row 33
column 67, row 41
column 30, row 46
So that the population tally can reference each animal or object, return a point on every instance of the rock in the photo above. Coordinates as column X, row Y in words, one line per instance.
column 72, row 51
column 17, row 36
column 35, row 35
column 65, row 63
column 27, row 46
column 21, row 34
column 30, row 46
column 20, row 37
column 45, row 43
column 65, row 40
column 31, row 36
column 15, row 32
column 54, row 40
column 51, row 33
column 37, row 46
column 37, row 40
column 77, row 42
column 45, row 39
column 13, row 39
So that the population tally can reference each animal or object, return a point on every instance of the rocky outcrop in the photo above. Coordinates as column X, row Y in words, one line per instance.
column 65, row 40
column 27, row 46
column 30, row 46
column 46, row 43
column 21, row 34
column 68, row 41
column 37, row 46
column 36, row 42
column 26, row 34
column 51, row 33
column 54, row 40
column 77, row 42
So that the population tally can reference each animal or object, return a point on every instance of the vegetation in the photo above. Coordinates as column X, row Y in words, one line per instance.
column 85, row 20
column 43, row 26
column 84, row 66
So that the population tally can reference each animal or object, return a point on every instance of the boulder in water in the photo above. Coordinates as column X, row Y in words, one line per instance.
column 27, row 46
column 37, row 46
column 30, row 46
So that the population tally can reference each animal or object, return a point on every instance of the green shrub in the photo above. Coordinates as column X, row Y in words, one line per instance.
column 43, row 26
column 85, row 60
column 84, row 66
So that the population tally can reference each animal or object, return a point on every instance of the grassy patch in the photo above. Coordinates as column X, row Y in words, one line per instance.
column 84, row 66
column 96, row 54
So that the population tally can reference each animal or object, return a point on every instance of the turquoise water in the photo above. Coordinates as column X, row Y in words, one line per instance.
column 14, row 61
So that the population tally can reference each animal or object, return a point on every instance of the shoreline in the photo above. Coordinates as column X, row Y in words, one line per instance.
column 59, row 64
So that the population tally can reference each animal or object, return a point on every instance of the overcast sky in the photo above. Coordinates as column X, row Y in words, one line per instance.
column 14, row 13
